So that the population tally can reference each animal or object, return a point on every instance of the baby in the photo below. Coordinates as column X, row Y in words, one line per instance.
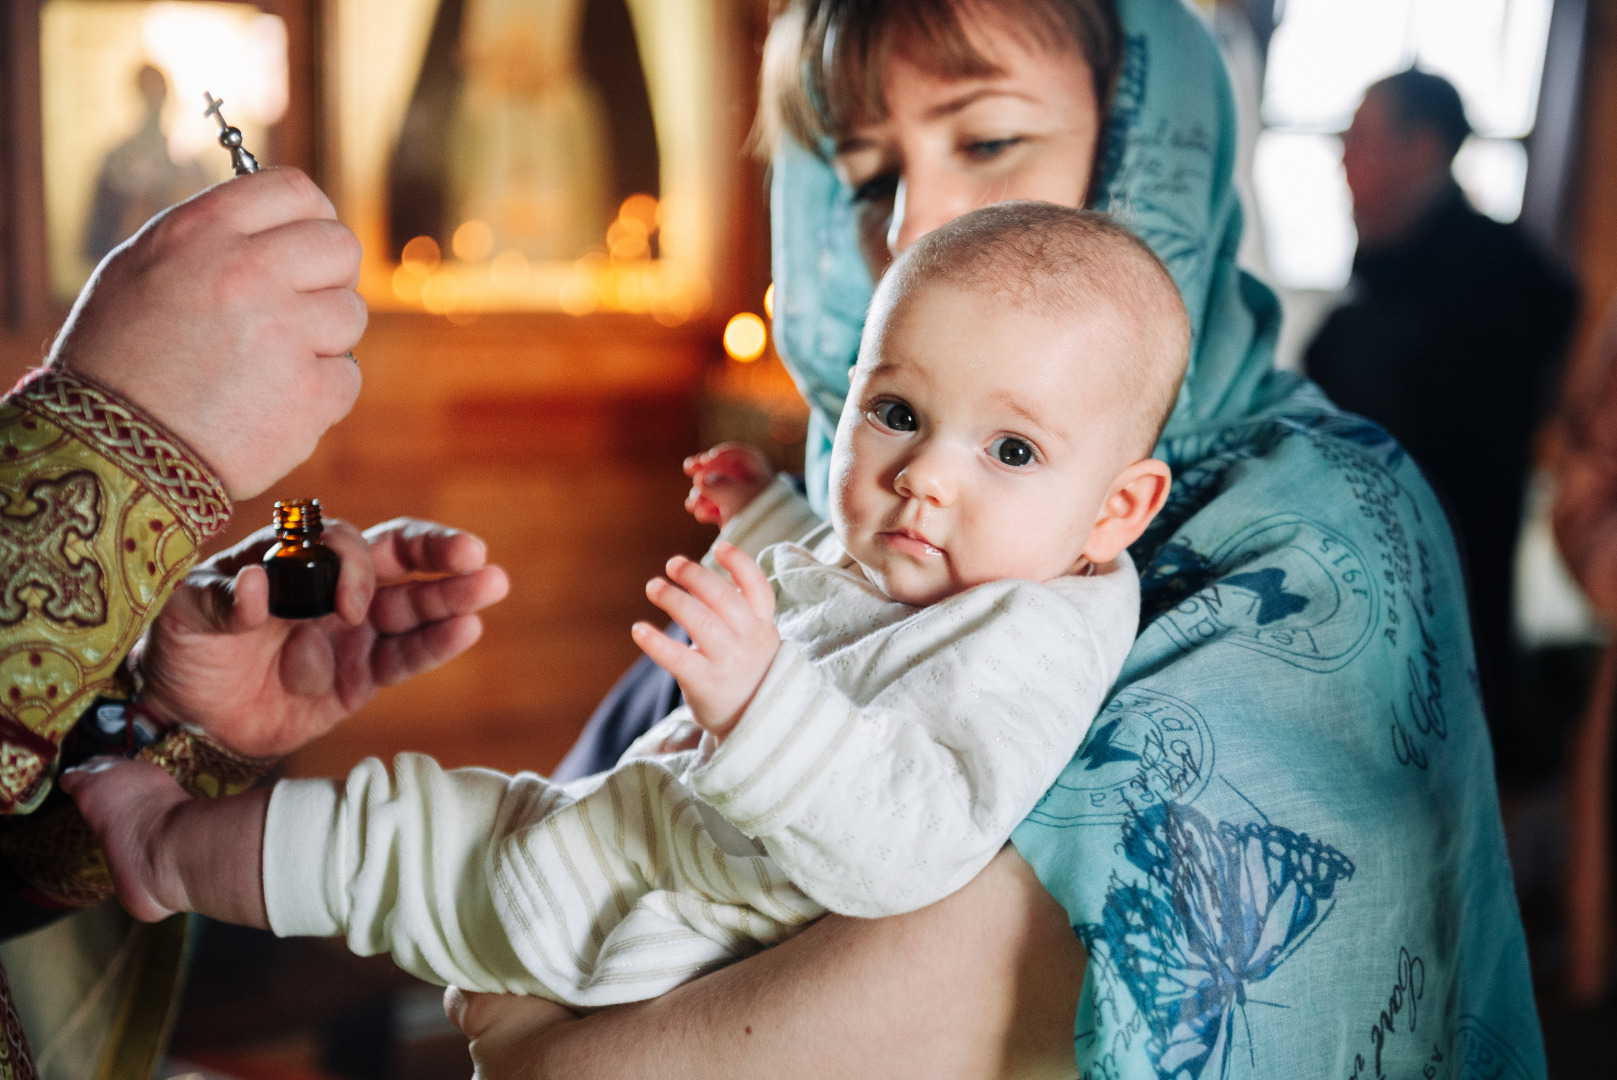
column 874, row 708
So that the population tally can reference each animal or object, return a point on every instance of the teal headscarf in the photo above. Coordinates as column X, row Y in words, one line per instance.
column 1280, row 843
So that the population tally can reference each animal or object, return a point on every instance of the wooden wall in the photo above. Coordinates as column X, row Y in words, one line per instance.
column 557, row 439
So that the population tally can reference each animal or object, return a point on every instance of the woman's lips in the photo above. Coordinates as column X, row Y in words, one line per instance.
column 907, row 544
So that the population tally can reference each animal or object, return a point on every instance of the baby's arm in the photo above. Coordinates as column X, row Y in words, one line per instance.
column 169, row 852
column 396, row 862
column 724, row 480
column 732, row 632
column 893, row 793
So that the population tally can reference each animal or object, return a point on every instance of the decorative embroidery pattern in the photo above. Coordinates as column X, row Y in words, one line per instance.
column 161, row 461
column 38, row 554
column 58, row 860
column 16, row 1061
column 202, row 766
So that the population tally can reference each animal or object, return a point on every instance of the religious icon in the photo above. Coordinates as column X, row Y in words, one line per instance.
column 124, row 135
column 139, row 176
column 528, row 154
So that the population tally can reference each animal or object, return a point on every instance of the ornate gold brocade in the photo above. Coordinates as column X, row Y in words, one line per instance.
column 103, row 514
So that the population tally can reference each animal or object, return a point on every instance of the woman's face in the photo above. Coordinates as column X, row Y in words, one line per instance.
column 951, row 145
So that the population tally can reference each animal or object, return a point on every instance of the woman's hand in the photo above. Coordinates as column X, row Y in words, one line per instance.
column 504, row 1030
column 264, row 687
column 983, row 984
column 724, row 480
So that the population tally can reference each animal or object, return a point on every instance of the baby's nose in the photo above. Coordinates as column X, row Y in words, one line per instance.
column 927, row 479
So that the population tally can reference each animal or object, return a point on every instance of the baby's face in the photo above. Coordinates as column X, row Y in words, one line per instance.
column 979, row 442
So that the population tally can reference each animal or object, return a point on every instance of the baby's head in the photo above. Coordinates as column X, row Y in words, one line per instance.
column 1017, row 368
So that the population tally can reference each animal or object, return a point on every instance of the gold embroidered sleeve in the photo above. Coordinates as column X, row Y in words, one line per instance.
column 54, row 856
column 103, row 514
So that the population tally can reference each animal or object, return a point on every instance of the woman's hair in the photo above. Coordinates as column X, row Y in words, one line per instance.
column 823, row 60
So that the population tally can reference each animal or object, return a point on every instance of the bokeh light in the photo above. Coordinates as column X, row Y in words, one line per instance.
column 639, row 207
column 745, row 337
column 472, row 242
column 420, row 256
column 509, row 271
column 769, row 302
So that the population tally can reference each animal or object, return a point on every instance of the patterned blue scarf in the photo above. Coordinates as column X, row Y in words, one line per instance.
column 1280, row 843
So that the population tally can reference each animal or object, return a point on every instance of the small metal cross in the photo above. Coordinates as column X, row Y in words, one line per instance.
column 230, row 138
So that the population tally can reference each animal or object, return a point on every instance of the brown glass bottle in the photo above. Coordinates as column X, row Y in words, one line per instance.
column 302, row 571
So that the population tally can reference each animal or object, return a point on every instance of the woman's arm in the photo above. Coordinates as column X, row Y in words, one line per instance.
column 982, row 984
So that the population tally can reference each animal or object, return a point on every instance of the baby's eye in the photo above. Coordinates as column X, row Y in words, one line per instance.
column 895, row 415
column 1009, row 450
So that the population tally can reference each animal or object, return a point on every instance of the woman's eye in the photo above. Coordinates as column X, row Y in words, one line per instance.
column 879, row 188
column 1009, row 450
column 895, row 416
column 984, row 149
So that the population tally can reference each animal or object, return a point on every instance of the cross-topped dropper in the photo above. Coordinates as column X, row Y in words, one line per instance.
column 230, row 138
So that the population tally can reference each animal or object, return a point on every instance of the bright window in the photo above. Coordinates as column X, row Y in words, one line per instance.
column 1322, row 57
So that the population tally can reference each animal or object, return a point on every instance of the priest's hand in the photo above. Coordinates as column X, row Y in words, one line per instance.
column 227, row 319
column 264, row 687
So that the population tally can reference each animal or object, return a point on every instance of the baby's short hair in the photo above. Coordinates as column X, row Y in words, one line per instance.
column 1054, row 260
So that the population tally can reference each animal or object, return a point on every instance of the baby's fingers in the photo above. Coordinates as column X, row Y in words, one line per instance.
column 718, row 595
column 705, row 627
column 749, row 578
column 675, row 657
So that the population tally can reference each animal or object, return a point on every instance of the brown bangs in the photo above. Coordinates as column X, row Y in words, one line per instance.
column 824, row 59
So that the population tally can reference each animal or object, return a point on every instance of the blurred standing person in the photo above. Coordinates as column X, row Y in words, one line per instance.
column 1453, row 328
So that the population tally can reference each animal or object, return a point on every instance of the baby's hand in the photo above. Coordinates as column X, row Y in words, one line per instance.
column 724, row 480
column 128, row 805
column 732, row 628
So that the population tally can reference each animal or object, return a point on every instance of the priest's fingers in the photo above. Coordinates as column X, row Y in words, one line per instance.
column 211, row 602
column 332, row 320
column 395, row 659
column 406, row 545
column 356, row 579
column 263, row 200
column 308, row 666
column 401, row 608
column 318, row 253
column 226, row 563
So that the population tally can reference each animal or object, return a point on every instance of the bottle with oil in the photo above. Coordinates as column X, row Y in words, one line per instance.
column 302, row 571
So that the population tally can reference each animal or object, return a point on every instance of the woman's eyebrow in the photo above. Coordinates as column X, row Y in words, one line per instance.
column 971, row 97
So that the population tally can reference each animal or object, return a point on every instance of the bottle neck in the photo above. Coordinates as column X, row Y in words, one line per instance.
column 297, row 521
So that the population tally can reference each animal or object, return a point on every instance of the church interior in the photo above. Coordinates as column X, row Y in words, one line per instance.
column 567, row 268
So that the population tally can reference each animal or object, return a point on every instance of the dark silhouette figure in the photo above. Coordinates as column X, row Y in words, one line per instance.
column 138, row 177
column 1451, row 338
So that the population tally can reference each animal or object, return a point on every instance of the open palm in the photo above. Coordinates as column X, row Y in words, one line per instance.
column 407, row 600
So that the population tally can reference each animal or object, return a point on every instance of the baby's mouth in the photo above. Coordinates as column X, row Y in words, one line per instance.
column 909, row 542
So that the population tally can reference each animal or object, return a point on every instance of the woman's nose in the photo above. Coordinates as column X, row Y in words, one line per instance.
column 926, row 198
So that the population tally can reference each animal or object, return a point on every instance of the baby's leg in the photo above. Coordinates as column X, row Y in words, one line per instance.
column 170, row 852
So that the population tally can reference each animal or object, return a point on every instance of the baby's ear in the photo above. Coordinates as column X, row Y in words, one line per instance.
column 1133, row 500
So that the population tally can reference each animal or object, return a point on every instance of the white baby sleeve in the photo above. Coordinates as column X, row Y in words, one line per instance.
column 777, row 515
column 888, row 806
column 397, row 864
